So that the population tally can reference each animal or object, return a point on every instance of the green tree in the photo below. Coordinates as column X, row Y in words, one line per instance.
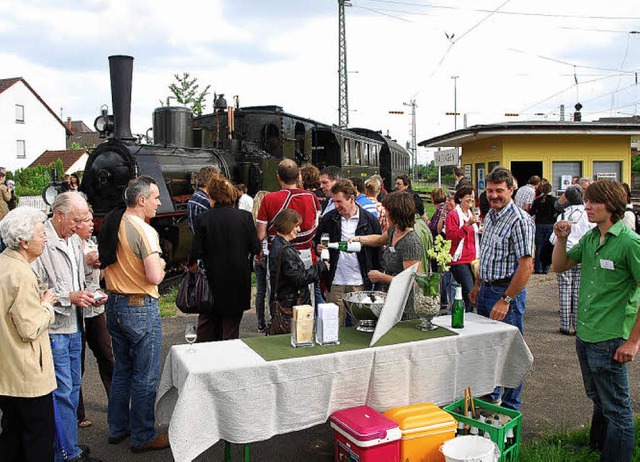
column 32, row 181
column 186, row 91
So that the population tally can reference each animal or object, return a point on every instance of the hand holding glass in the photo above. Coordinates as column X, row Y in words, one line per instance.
column 190, row 335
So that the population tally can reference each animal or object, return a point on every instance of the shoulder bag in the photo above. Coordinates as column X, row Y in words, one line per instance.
column 194, row 293
column 281, row 316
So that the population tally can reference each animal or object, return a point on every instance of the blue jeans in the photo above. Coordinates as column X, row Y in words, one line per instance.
column 606, row 383
column 260, row 269
column 136, row 336
column 463, row 275
column 488, row 297
column 67, row 351
column 543, row 232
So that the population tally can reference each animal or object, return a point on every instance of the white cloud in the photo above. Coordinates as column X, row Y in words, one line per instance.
column 292, row 61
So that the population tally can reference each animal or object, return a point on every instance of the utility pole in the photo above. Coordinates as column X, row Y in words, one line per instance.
column 455, row 101
column 414, row 150
column 343, row 96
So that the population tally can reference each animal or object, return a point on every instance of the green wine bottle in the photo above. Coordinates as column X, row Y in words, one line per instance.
column 345, row 246
column 457, row 312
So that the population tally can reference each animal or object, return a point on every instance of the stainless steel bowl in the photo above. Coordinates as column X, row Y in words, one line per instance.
column 365, row 307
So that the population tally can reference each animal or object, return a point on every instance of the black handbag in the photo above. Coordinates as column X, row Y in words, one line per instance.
column 194, row 293
column 280, row 315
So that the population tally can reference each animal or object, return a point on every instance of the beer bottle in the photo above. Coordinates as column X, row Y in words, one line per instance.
column 457, row 312
column 345, row 246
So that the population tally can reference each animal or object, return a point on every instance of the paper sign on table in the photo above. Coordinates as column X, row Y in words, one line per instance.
column 393, row 307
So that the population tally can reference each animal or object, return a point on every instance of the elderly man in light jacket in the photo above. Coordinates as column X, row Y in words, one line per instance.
column 62, row 266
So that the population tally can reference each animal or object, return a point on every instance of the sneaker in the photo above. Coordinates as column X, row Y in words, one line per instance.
column 118, row 439
column 262, row 328
column 161, row 442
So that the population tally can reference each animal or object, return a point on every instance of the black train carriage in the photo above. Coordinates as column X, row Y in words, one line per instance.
column 394, row 159
column 266, row 128
column 355, row 154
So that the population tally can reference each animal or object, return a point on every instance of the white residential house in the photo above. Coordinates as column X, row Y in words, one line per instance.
column 28, row 126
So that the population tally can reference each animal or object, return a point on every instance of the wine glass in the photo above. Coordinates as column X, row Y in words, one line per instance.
column 575, row 216
column 190, row 335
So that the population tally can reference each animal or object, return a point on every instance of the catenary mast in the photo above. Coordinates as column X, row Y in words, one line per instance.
column 343, row 96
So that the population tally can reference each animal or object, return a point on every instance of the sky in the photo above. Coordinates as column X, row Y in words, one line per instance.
column 509, row 56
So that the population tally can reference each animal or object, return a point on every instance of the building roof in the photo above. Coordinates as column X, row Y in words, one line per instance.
column 478, row 132
column 78, row 126
column 8, row 83
column 68, row 157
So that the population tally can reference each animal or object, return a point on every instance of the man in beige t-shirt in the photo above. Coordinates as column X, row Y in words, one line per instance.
column 133, row 319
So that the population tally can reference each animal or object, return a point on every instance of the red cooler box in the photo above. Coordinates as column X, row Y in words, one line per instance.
column 362, row 434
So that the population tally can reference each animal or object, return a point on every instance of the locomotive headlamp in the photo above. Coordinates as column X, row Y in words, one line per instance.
column 103, row 123
column 50, row 194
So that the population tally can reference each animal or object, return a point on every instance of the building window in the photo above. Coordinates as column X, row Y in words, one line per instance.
column 21, row 149
column 346, row 154
column 564, row 169
column 607, row 170
column 19, row 114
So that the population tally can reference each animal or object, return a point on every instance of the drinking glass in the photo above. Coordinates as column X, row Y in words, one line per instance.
column 324, row 239
column 575, row 216
column 190, row 335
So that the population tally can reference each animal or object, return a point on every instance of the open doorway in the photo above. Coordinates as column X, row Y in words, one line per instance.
column 522, row 171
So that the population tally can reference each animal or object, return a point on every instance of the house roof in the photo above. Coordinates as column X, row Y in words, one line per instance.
column 78, row 126
column 68, row 157
column 8, row 83
column 478, row 132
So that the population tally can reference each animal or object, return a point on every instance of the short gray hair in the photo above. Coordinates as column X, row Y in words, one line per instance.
column 63, row 202
column 19, row 225
column 138, row 187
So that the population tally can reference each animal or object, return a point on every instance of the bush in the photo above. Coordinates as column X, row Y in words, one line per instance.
column 32, row 181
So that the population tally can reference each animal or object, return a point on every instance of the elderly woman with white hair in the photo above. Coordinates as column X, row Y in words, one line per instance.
column 27, row 376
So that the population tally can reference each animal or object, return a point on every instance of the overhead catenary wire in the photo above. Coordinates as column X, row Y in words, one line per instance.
column 510, row 13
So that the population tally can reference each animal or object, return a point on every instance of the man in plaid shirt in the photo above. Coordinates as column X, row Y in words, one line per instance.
column 527, row 194
column 506, row 264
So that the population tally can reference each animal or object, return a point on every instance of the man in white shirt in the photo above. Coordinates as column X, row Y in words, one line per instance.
column 347, row 271
column 245, row 202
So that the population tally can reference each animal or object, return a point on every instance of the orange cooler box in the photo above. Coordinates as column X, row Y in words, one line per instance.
column 362, row 434
column 424, row 428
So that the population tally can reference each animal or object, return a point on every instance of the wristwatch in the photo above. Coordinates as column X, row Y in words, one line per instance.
column 507, row 299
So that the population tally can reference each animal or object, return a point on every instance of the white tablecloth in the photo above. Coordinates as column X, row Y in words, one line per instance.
column 225, row 390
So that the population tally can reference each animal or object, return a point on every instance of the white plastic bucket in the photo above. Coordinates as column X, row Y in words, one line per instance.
column 470, row 448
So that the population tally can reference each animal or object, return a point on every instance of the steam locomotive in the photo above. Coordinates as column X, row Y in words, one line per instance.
column 246, row 144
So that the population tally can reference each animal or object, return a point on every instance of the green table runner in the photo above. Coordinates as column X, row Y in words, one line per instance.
column 276, row 347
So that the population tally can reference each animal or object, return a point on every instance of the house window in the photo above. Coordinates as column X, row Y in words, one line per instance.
column 19, row 114
column 21, row 150
column 564, row 169
column 607, row 170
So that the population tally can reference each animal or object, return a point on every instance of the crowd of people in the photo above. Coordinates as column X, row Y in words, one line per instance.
column 61, row 291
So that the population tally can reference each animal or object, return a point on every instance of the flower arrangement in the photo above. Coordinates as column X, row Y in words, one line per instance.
column 440, row 252
column 427, row 298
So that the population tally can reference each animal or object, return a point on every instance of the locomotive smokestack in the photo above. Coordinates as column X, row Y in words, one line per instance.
column 121, row 70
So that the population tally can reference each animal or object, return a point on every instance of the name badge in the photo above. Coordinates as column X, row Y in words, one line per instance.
column 606, row 264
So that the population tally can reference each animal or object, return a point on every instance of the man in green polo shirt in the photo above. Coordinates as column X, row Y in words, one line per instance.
column 608, row 331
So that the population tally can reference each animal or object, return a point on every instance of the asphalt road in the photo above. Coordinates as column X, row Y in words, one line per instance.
column 553, row 395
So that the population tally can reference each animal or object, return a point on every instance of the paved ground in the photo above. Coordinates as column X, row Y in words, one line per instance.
column 553, row 397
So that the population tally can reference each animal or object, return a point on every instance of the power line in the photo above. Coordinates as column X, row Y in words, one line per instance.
column 559, row 61
column 511, row 13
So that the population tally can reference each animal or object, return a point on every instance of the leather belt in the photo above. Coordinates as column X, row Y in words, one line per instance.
column 133, row 299
column 504, row 282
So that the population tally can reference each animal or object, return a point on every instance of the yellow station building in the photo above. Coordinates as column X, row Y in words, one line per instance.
column 553, row 150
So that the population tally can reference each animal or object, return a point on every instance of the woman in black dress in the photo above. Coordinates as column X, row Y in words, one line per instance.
column 226, row 240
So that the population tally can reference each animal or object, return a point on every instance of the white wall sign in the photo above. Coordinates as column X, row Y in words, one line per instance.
column 606, row 176
column 446, row 157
